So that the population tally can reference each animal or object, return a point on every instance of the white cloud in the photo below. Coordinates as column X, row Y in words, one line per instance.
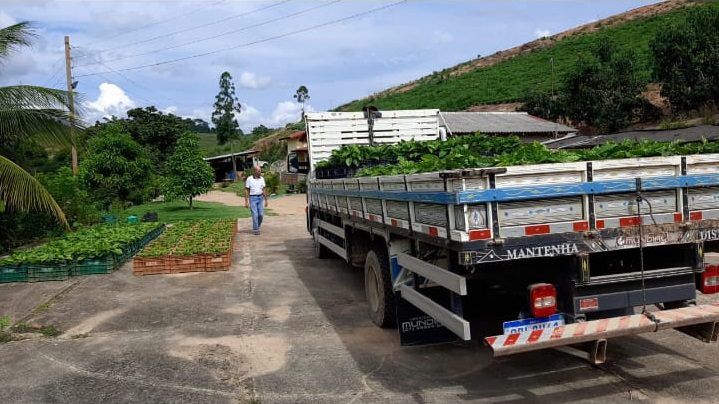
column 112, row 101
column 541, row 33
column 172, row 109
column 6, row 20
column 286, row 112
column 442, row 37
column 249, row 118
column 252, row 80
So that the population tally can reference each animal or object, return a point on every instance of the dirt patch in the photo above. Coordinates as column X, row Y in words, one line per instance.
column 256, row 354
column 282, row 205
column 506, row 107
column 289, row 204
column 226, row 198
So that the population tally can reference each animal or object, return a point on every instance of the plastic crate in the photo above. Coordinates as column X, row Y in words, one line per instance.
column 50, row 272
column 186, row 264
column 218, row 262
column 13, row 273
column 150, row 266
column 94, row 266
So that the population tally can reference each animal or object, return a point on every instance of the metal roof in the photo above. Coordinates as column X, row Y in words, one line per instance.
column 693, row 134
column 226, row 156
column 296, row 136
column 499, row 122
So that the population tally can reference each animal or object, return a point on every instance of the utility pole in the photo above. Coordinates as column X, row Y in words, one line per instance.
column 555, row 121
column 71, row 99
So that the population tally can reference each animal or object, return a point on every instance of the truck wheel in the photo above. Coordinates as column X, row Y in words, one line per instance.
column 321, row 251
column 378, row 289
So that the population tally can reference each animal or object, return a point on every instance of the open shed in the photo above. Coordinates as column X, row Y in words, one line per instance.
column 222, row 164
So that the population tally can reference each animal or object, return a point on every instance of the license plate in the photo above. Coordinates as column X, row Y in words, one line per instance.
column 531, row 324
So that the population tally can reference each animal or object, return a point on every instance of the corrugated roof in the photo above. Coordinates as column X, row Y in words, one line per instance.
column 693, row 134
column 499, row 122
column 225, row 156
column 296, row 136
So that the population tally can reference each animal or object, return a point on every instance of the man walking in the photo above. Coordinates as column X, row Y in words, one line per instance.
column 256, row 198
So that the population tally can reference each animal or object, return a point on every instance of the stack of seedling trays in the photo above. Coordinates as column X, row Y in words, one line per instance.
column 96, row 250
column 199, row 246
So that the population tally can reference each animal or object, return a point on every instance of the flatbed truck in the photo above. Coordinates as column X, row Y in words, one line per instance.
column 523, row 257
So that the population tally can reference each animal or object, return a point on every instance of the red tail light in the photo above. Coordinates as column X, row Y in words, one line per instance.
column 542, row 299
column 710, row 280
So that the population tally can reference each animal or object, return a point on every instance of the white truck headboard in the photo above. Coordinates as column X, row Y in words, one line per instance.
column 328, row 131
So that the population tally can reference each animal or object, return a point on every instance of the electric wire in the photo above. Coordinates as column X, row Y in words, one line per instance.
column 228, row 18
column 129, row 80
column 234, row 31
column 310, row 28
column 193, row 11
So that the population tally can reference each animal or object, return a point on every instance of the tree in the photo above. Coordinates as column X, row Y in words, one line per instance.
column 197, row 125
column 156, row 131
column 604, row 89
column 301, row 95
column 116, row 168
column 29, row 112
column 188, row 175
column 686, row 59
column 543, row 105
column 260, row 131
column 226, row 105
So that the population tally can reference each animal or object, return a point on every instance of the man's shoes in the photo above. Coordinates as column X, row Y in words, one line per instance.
column 256, row 232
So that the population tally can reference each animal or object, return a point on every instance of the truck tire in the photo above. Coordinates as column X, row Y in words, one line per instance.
column 378, row 289
column 321, row 251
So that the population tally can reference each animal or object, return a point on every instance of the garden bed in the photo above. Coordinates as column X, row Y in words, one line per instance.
column 95, row 250
column 199, row 246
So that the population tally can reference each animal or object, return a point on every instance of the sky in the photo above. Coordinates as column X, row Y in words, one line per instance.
column 171, row 53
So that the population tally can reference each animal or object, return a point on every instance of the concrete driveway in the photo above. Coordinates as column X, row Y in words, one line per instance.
column 284, row 327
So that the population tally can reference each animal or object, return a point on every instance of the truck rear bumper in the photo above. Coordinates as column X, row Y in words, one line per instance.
column 698, row 321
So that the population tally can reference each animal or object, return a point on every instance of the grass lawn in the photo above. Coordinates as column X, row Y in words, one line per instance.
column 171, row 212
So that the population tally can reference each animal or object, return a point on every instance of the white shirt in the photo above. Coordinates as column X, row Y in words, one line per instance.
column 256, row 185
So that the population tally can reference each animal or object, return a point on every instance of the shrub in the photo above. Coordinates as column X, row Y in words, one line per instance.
column 116, row 168
column 272, row 182
column 74, row 200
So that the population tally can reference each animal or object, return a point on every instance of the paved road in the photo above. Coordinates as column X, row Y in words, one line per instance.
column 283, row 327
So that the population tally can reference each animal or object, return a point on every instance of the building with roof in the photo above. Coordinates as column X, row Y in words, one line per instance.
column 529, row 128
column 692, row 134
column 298, row 160
column 222, row 164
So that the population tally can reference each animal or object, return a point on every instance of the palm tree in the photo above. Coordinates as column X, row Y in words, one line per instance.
column 29, row 112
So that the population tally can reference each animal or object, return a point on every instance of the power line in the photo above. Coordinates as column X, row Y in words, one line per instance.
column 199, row 26
column 54, row 66
column 310, row 28
column 193, row 11
column 131, row 81
column 234, row 31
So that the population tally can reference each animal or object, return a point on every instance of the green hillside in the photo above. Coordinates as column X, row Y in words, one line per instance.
column 512, row 79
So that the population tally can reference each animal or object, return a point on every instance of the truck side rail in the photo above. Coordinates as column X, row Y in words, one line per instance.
column 534, row 192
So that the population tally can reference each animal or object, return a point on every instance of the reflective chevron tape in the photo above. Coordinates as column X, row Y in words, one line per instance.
column 631, row 221
column 601, row 329
column 698, row 215
column 433, row 231
column 539, row 229
column 398, row 223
